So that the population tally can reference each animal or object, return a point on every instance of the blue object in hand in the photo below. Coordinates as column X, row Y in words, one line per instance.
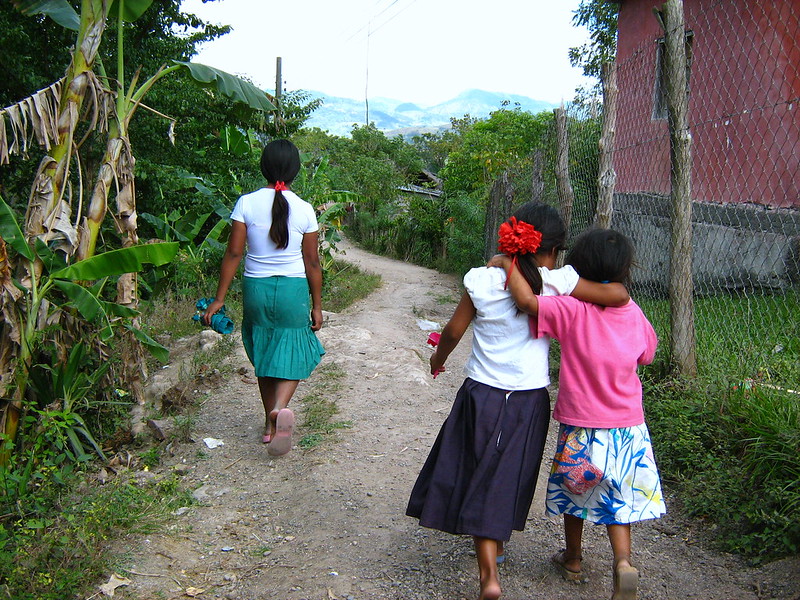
column 219, row 321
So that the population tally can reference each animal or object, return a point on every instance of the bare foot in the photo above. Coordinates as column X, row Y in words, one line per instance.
column 490, row 589
column 269, row 426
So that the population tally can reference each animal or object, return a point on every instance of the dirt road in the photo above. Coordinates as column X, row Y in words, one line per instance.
column 328, row 523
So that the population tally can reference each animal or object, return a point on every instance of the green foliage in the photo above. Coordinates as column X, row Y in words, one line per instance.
column 345, row 284
column 503, row 142
column 64, row 391
column 735, row 429
column 58, row 552
column 720, row 445
column 319, row 409
column 600, row 17
column 294, row 109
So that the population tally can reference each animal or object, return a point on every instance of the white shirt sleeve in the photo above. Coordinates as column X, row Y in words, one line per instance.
column 558, row 282
column 238, row 211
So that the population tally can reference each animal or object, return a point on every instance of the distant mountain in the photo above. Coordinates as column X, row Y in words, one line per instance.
column 338, row 115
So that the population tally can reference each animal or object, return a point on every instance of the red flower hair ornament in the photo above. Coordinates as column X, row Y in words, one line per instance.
column 518, row 237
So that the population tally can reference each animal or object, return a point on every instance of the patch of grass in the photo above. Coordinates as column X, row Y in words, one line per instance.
column 445, row 299
column 345, row 284
column 151, row 457
column 319, row 410
column 735, row 428
column 61, row 554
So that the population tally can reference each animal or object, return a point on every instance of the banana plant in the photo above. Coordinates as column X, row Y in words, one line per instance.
column 313, row 183
column 57, row 219
column 43, row 295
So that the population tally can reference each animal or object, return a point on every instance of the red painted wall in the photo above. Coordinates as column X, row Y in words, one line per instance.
column 743, row 104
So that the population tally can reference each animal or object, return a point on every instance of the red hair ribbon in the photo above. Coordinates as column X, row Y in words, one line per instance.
column 517, row 237
column 280, row 186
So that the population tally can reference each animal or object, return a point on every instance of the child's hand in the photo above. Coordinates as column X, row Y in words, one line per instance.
column 437, row 366
column 499, row 260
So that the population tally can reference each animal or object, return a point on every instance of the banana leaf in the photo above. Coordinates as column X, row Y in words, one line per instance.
column 156, row 349
column 229, row 85
column 117, row 262
column 59, row 10
column 11, row 233
column 87, row 305
column 131, row 10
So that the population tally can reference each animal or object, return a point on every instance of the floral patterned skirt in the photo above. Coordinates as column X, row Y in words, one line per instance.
column 605, row 476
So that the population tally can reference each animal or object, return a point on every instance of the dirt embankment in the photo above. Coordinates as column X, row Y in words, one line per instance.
column 328, row 523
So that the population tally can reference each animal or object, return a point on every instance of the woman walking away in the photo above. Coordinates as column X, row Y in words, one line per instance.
column 603, row 470
column 481, row 473
column 280, row 269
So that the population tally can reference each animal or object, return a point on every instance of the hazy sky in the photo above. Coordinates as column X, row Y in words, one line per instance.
column 422, row 51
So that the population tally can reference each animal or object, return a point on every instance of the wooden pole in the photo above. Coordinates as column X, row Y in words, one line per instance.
column 681, row 287
column 278, row 78
column 498, row 209
column 607, row 177
column 565, row 193
column 537, row 178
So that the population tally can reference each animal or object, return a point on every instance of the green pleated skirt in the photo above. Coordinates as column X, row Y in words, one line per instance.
column 276, row 327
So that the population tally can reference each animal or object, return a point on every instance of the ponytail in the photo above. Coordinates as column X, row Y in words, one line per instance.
column 280, row 163
column 279, row 231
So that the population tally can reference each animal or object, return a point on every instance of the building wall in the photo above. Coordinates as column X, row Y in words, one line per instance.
column 743, row 102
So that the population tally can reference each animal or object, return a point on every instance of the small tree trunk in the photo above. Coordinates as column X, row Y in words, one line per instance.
column 607, row 176
column 681, row 288
column 498, row 209
column 565, row 192
column 537, row 178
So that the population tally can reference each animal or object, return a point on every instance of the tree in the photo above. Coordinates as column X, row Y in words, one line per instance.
column 600, row 17
column 85, row 102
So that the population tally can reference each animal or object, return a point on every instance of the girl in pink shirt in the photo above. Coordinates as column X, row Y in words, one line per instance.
column 603, row 470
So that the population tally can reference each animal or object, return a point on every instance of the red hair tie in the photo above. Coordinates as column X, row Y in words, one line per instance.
column 280, row 186
column 515, row 238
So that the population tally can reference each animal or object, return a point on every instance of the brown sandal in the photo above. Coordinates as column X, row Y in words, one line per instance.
column 569, row 575
column 626, row 580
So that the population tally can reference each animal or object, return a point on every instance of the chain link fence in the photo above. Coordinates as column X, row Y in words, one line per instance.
column 743, row 90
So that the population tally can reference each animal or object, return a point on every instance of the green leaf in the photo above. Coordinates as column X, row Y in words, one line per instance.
column 131, row 10
column 87, row 304
column 215, row 233
column 59, row 10
column 229, row 85
column 234, row 141
column 11, row 233
column 119, row 310
column 117, row 262
column 156, row 349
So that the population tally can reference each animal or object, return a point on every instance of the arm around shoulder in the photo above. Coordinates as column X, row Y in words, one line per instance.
column 604, row 294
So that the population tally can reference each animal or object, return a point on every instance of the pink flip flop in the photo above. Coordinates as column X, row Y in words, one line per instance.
column 282, row 439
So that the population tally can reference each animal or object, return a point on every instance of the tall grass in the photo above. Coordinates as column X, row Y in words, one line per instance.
column 730, row 439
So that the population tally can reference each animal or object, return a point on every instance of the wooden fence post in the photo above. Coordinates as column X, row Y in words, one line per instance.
column 537, row 178
column 607, row 177
column 498, row 209
column 565, row 192
column 681, row 287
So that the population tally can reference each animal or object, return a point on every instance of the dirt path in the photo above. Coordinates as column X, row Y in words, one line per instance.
column 328, row 523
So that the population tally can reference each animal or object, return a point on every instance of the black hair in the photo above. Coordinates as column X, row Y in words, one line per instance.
column 602, row 255
column 280, row 161
column 549, row 223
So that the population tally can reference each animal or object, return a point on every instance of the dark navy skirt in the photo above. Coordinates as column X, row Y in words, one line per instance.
column 481, row 473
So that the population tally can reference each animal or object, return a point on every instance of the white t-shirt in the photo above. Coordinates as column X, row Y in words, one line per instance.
column 263, row 258
column 504, row 354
